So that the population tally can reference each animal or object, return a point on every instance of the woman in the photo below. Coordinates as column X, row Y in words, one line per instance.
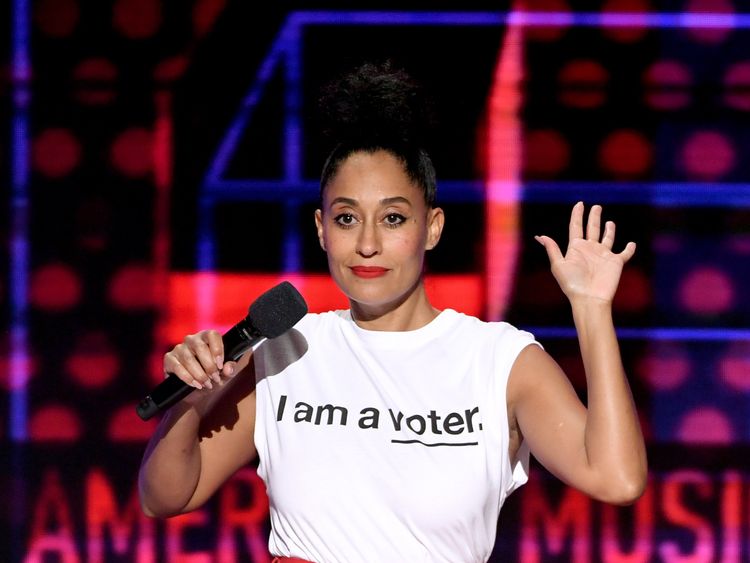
column 394, row 431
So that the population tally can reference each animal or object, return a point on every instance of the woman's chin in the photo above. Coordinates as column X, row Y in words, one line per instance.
column 369, row 298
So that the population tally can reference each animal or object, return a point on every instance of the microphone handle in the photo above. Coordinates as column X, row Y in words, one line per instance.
column 237, row 340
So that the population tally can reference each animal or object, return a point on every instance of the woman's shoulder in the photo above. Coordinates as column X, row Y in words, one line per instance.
column 487, row 337
column 321, row 321
column 479, row 326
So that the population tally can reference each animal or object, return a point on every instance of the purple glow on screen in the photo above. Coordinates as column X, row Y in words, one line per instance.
column 19, row 247
column 527, row 18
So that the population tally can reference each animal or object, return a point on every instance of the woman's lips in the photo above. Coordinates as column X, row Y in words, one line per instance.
column 369, row 271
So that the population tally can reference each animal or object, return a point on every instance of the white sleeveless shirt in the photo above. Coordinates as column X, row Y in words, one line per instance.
column 386, row 446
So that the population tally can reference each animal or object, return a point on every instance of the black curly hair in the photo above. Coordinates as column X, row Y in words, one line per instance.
column 379, row 107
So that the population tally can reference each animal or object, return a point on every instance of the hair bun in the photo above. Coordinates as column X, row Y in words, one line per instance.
column 376, row 104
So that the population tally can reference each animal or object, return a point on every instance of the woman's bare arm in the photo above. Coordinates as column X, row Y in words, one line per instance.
column 598, row 449
column 204, row 439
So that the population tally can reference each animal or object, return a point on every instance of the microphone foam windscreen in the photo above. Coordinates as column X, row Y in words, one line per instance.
column 277, row 310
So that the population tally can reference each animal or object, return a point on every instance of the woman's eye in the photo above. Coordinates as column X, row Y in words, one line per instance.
column 393, row 219
column 345, row 219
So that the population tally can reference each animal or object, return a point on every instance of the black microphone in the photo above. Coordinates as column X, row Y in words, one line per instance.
column 269, row 316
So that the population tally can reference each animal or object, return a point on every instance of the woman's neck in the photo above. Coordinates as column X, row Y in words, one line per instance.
column 409, row 314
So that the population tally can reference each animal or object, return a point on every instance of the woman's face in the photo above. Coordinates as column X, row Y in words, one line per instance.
column 375, row 227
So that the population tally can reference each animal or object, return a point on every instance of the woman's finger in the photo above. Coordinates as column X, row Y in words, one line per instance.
column 553, row 251
column 229, row 369
column 198, row 345
column 608, row 239
column 187, row 357
column 593, row 225
column 173, row 365
column 575, row 227
column 216, row 348
column 628, row 253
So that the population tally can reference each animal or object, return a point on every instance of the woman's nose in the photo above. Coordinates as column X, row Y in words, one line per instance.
column 368, row 242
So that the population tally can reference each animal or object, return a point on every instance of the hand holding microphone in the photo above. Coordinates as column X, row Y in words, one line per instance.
column 197, row 360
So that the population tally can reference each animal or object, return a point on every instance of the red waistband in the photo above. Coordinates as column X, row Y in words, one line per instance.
column 289, row 560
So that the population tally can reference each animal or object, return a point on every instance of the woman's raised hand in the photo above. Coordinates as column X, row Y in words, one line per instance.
column 199, row 360
column 589, row 269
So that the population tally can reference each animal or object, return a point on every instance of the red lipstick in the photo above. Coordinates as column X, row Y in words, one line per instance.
column 369, row 271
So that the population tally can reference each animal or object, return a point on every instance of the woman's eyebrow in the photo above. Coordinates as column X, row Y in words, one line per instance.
column 392, row 200
column 345, row 200
column 354, row 203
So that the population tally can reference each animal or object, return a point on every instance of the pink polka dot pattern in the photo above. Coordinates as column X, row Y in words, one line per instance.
column 709, row 35
column 93, row 362
column 631, row 34
column 131, row 287
column 55, row 423
column 56, row 152
column 707, row 290
column 582, row 84
column 55, row 287
column 137, row 19
column 626, row 153
column 706, row 426
column 132, row 152
column 56, row 18
column 664, row 367
column 546, row 154
column 667, row 85
column 737, row 86
column 708, row 155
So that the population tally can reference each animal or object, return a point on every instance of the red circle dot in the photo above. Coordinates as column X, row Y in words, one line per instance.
column 132, row 287
column 540, row 289
column 625, row 153
column 667, row 244
column 546, row 153
column 709, row 35
column 171, row 69
column 734, row 367
column 737, row 85
column 56, row 18
column 56, row 152
column 634, row 291
column 708, row 155
column 546, row 32
column 583, row 84
column 137, row 19
column 707, row 291
column 94, row 362
column 55, row 287
column 126, row 426
column 632, row 33
column 95, row 81
column 55, row 423
column 132, row 152
column 739, row 244
column 667, row 85
column 706, row 425
column 665, row 367
column 205, row 14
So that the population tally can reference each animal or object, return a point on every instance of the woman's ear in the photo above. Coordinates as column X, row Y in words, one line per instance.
column 319, row 227
column 435, row 222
